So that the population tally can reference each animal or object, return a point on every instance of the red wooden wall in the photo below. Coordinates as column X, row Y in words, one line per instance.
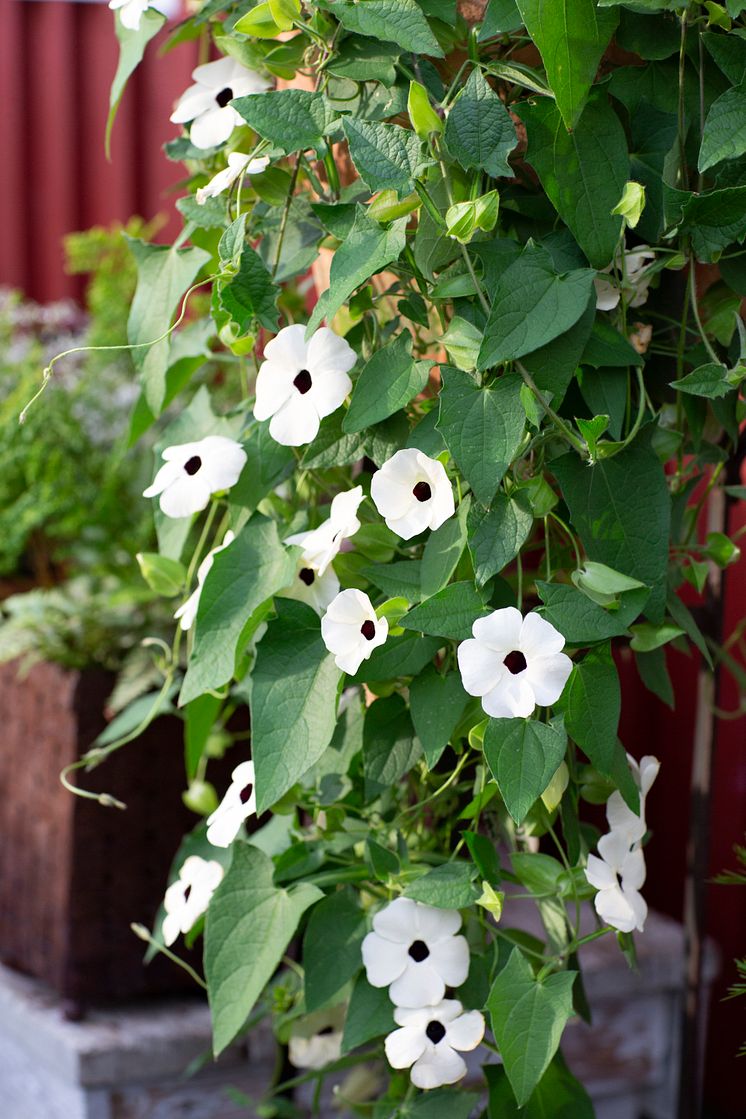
column 56, row 63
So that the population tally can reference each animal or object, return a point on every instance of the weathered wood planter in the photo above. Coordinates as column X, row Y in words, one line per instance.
column 73, row 875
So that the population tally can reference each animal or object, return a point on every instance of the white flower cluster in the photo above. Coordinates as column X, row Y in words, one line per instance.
column 189, row 896
column 637, row 277
column 619, row 874
column 415, row 951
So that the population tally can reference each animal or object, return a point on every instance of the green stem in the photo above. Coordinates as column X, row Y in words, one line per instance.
column 558, row 422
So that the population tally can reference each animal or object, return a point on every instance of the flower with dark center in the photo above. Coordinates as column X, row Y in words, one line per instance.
column 415, row 951
column 238, row 166
column 306, row 575
column 351, row 629
column 236, row 806
column 207, row 103
column 192, row 472
column 430, row 1041
column 514, row 663
column 301, row 382
column 320, row 545
column 412, row 493
column 189, row 896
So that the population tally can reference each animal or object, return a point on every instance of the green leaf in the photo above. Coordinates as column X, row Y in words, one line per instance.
column 583, row 172
column 584, row 622
column 528, row 1018
column 462, row 341
column 331, row 947
column 397, row 580
column 248, row 927
column 501, row 15
column 437, row 703
column 449, row 613
column 267, row 463
column 571, row 36
column 400, row 656
column 387, row 382
column 242, row 577
column 386, row 156
column 200, row 716
column 443, row 550
column 713, row 219
column 251, row 294
column 729, row 52
column 479, row 132
column 368, row 248
column 710, row 381
column 421, row 113
column 332, row 446
column 607, row 347
column 482, row 427
column 163, row 276
column 394, row 21
column 592, row 704
column 558, row 1095
column 497, row 534
column 630, row 536
column 370, row 1014
column 132, row 46
column 724, row 135
column 291, row 119
column 531, row 305
column 523, row 756
column 441, row 1103
column 450, row 886
column 654, row 675
column 293, row 700
column 163, row 575
column 390, row 748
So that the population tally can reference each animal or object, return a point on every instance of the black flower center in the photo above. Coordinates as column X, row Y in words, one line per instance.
column 422, row 491
column 419, row 951
column 435, row 1031
column 515, row 662
column 326, row 1031
column 303, row 381
column 191, row 467
column 187, row 892
column 368, row 630
column 224, row 96
column 246, row 792
column 306, row 575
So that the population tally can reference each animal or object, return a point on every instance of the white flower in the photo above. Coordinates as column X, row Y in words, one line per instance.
column 618, row 876
column 315, row 1052
column 193, row 471
column 189, row 896
column 619, row 814
column 412, row 493
column 236, row 806
column 130, row 12
column 299, row 382
column 351, row 630
column 620, row 872
column 636, row 280
column 187, row 612
column 513, row 663
column 414, row 947
column 322, row 544
column 207, row 103
column 238, row 164
column 318, row 591
column 430, row 1040
column 317, row 1039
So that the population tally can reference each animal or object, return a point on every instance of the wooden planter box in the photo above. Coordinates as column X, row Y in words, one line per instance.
column 73, row 875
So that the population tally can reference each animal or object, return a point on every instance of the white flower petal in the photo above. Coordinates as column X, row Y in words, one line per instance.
column 433, row 924
column 212, row 127
column 185, row 496
column 327, row 392
column 466, row 1031
column 547, row 677
column 384, row 960
column 633, row 870
column 500, row 630
column 614, row 848
column 404, row 1046
column 419, row 984
column 398, row 921
column 288, row 348
column 600, row 875
column 539, row 638
column 328, row 353
column 450, row 958
column 615, row 909
column 481, row 669
column 223, row 460
column 512, row 698
column 438, row 1065
column 294, row 424
column 191, row 104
